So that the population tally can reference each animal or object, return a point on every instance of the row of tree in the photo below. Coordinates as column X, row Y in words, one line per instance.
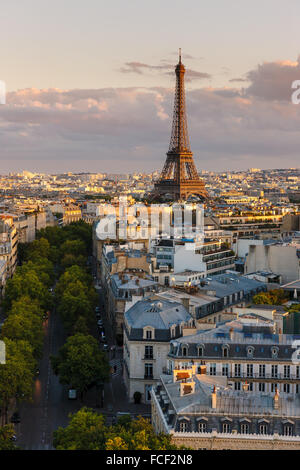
column 26, row 302
column 80, row 363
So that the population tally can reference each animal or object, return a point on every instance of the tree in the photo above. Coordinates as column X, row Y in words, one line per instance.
column 74, row 303
column 74, row 273
column 38, row 249
column 26, row 306
column 26, row 327
column 86, row 431
column 80, row 363
column 17, row 374
column 6, row 438
column 26, row 283
column 70, row 259
column 73, row 247
column 273, row 297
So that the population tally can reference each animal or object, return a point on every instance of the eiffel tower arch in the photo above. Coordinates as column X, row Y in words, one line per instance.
column 179, row 178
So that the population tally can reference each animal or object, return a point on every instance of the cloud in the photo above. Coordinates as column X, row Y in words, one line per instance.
column 128, row 129
column 273, row 80
column 238, row 80
column 167, row 68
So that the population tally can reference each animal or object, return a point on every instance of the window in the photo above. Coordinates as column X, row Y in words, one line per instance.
column 184, row 351
column 225, row 351
column 286, row 371
column 274, row 351
column 200, row 351
column 244, row 428
column 213, row 369
column 148, row 371
column 297, row 372
column 237, row 386
column 287, row 430
column 273, row 387
column 274, row 371
column 148, row 352
column 226, row 427
column 148, row 334
column 237, row 370
column 183, row 426
column 202, row 427
column 225, row 370
column 262, row 370
column 261, row 387
column 263, row 429
column 286, row 388
column 249, row 370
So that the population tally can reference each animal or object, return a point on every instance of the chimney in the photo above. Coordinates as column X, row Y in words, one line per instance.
column 137, row 281
column 186, row 303
column 214, row 399
column 276, row 399
column 245, row 386
column 231, row 333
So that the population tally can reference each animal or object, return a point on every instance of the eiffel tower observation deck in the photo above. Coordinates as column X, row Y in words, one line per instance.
column 179, row 179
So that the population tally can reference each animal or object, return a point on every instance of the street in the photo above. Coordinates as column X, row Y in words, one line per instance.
column 50, row 406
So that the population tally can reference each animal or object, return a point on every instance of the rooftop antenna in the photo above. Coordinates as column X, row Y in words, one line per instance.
column 180, row 55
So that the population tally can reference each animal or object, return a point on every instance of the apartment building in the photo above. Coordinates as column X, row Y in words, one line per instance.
column 204, row 412
column 244, row 353
column 149, row 325
column 8, row 243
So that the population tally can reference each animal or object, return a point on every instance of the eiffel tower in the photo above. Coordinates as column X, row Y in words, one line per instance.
column 179, row 178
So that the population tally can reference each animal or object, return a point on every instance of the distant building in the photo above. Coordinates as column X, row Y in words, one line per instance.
column 280, row 258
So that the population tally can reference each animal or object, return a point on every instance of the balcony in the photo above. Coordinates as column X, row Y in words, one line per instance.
column 259, row 377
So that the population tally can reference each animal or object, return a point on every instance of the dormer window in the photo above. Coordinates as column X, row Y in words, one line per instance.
column 225, row 350
column 148, row 334
column 200, row 351
column 274, row 351
column 250, row 351
column 184, row 350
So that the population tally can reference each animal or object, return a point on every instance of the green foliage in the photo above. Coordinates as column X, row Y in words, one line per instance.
column 86, row 431
column 17, row 373
column 26, row 282
column 295, row 308
column 272, row 297
column 26, row 327
column 6, row 436
column 80, row 363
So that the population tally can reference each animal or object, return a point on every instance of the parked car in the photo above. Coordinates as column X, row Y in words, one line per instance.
column 105, row 347
column 100, row 323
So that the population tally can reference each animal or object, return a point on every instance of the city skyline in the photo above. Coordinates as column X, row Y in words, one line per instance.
column 101, row 101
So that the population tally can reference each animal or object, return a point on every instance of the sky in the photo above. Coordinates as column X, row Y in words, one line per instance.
column 90, row 84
